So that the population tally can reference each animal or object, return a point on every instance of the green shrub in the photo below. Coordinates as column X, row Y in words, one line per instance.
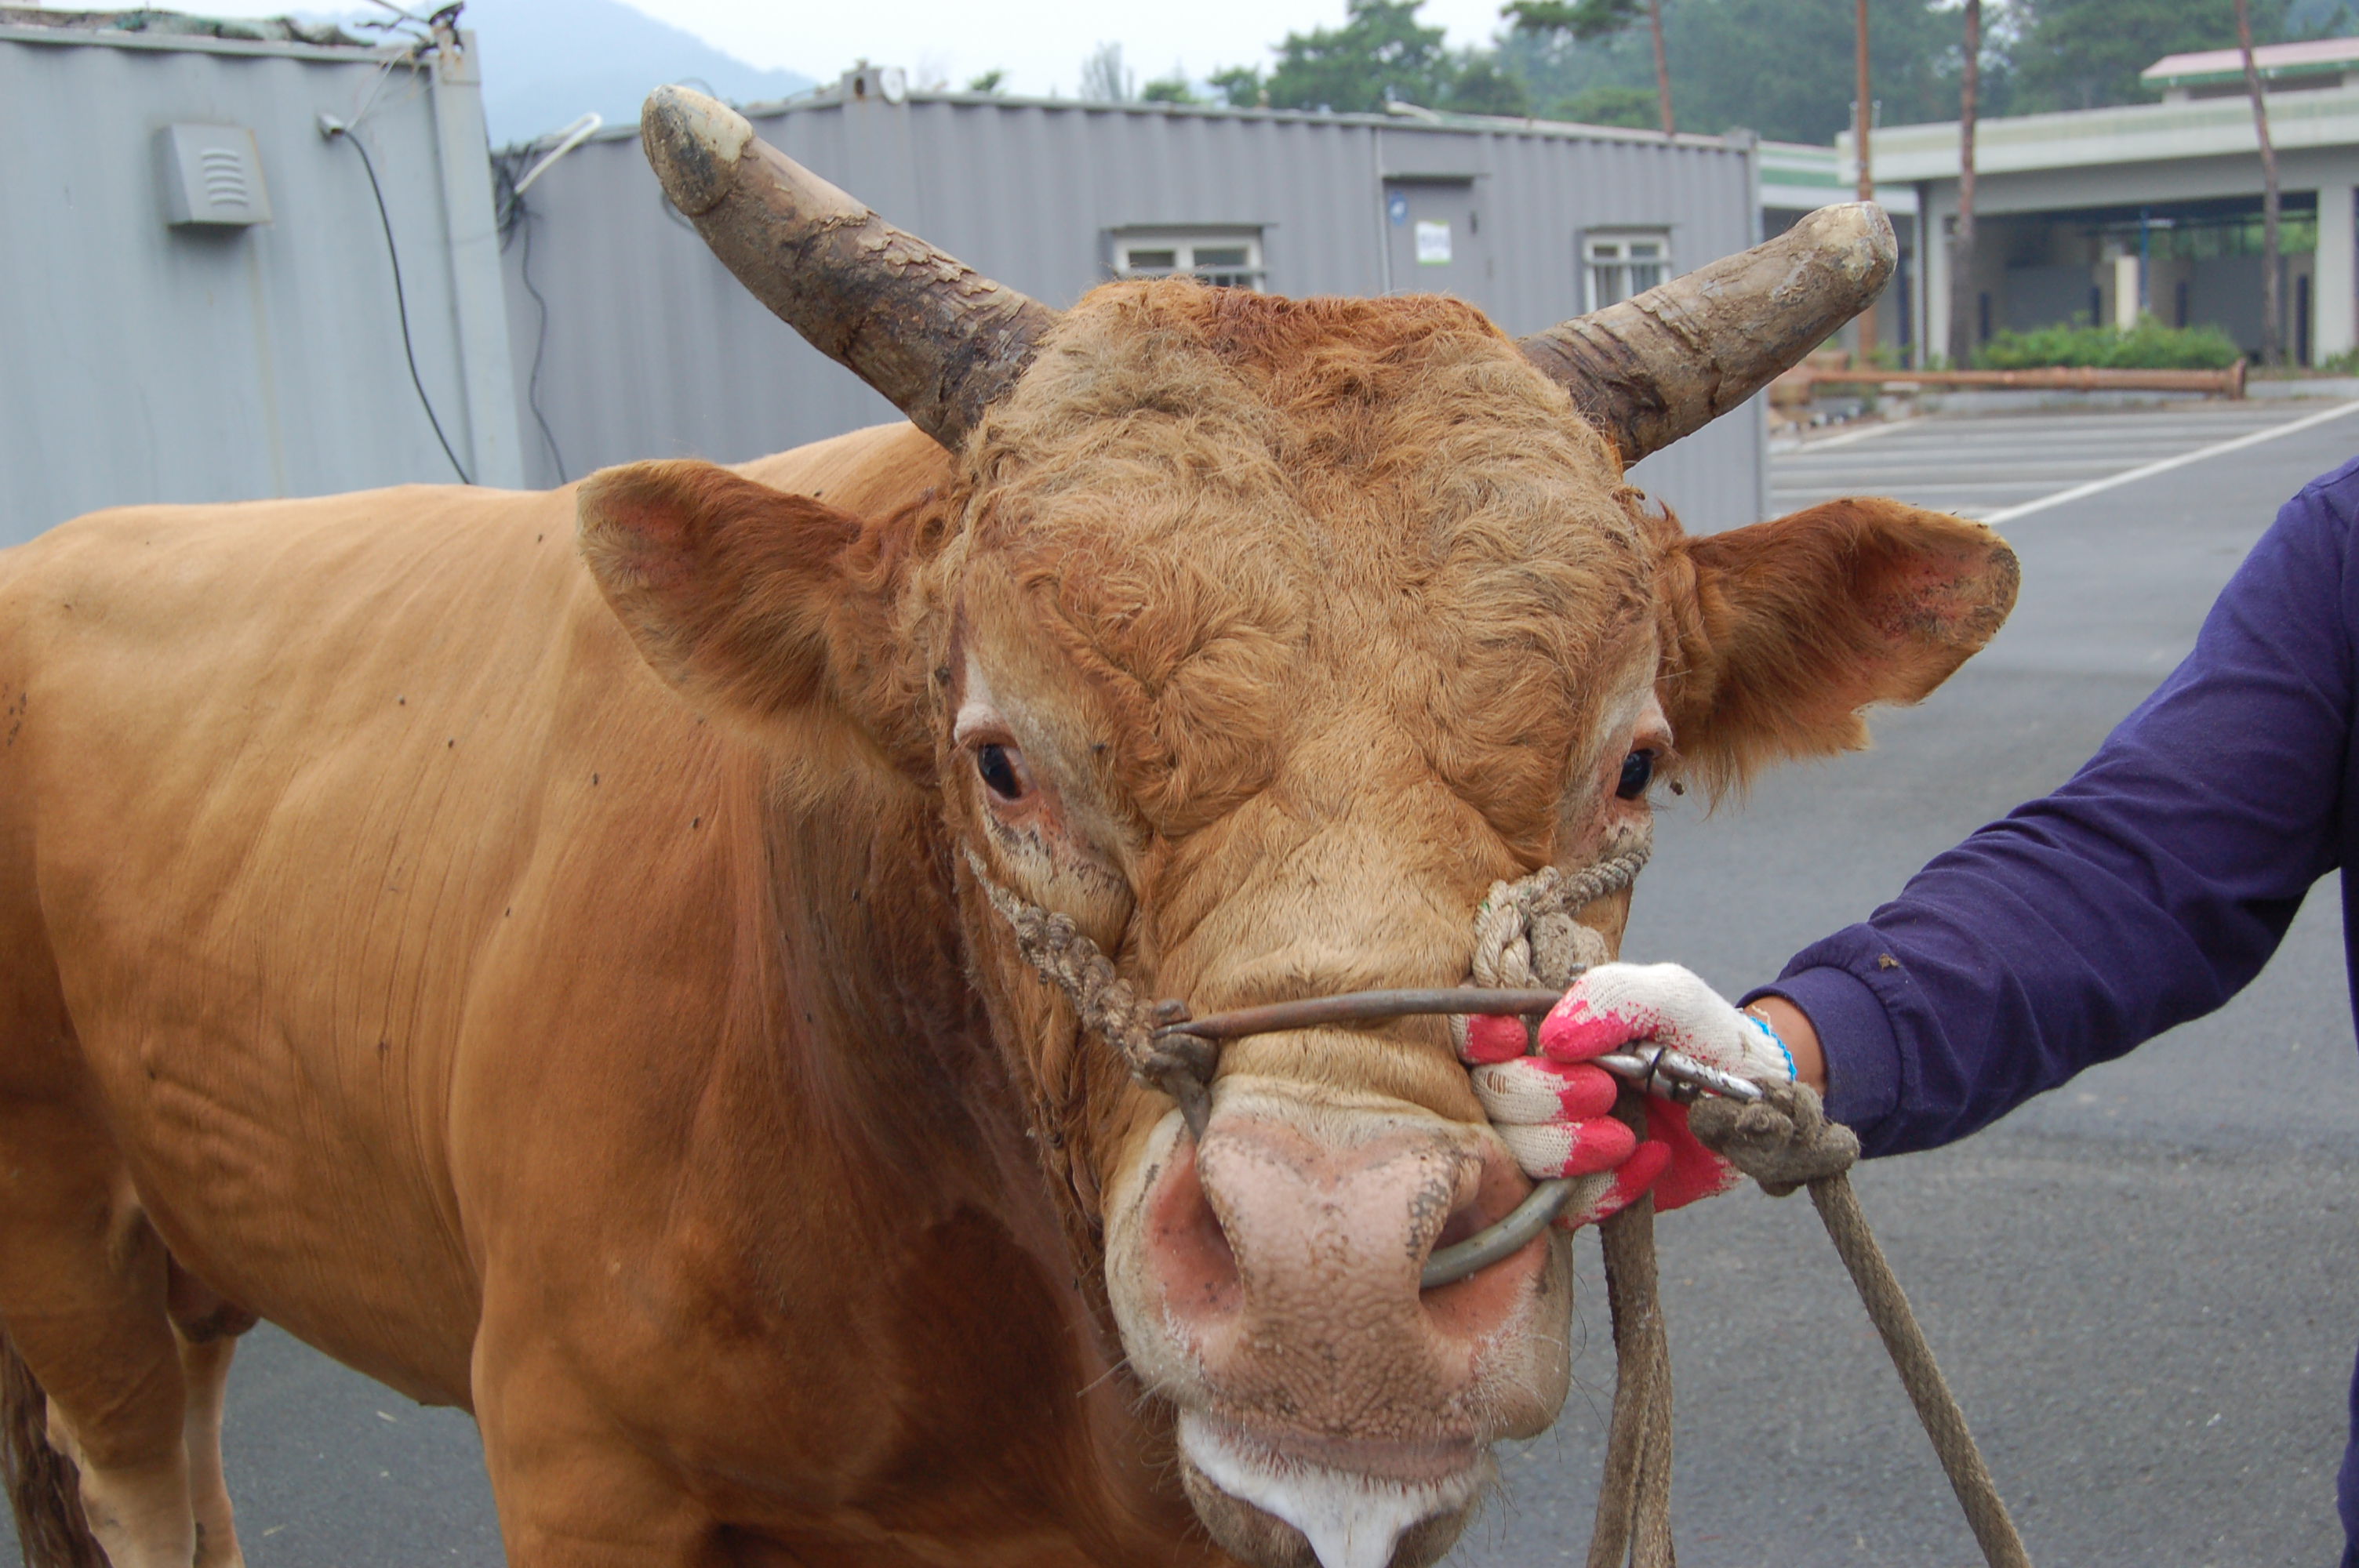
column 2149, row 345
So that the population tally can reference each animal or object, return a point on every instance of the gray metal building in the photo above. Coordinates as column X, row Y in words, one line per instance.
column 253, row 348
column 651, row 348
column 196, row 302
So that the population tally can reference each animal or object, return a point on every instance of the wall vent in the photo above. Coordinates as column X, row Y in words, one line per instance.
column 211, row 177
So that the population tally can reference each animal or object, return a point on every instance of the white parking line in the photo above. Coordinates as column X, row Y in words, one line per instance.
column 1845, row 438
column 2164, row 465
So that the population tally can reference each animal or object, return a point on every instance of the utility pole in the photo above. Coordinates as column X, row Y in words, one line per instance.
column 1867, row 111
column 2272, row 332
column 1662, row 69
column 1965, row 299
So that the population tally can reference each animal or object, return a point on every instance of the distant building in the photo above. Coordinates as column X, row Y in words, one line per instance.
column 198, row 286
column 2099, row 215
column 196, row 299
column 1797, row 179
column 2312, row 66
column 652, row 349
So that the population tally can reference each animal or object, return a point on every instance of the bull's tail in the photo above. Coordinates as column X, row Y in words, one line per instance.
column 44, row 1489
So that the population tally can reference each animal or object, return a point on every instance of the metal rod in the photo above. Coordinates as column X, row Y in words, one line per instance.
column 1504, row 1240
column 1356, row 1007
column 1670, row 1075
column 1652, row 1069
column 1657, row 1071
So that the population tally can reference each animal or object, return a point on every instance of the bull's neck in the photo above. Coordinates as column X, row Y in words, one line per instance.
column 875, row 1020
column 874, row 1034
column 879, row 1054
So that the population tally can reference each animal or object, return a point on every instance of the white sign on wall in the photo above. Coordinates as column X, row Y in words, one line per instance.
column 1432, row 243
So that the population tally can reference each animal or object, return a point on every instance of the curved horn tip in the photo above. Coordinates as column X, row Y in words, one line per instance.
column 693, row 144
column 1858, row 234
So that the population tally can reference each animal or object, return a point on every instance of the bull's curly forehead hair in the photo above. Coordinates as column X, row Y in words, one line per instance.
column 1215, row 501
column 1410, row 399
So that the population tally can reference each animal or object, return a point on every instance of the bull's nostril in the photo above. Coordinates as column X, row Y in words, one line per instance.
column 1468, row 1220
column 1464, row 1304
column 1199, row 1268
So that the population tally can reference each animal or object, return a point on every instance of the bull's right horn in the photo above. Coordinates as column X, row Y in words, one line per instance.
column 926, row 331
column 1670, row 361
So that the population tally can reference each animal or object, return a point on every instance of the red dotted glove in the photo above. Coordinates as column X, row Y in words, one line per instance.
column 1552, row 1110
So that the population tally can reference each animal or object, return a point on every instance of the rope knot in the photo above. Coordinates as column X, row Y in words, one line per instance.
column 1782, row 1141
column 1103, row 1002
column 1525, row 934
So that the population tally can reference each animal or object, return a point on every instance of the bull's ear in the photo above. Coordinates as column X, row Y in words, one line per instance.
column 754, row 602
column 1775, row 636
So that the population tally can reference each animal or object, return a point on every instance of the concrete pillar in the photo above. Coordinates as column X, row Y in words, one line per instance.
column 1925, row 244
column 2333, row 307
column 2125, row 292
column 1934, row 264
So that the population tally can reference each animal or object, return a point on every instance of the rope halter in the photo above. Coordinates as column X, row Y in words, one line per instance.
column 1525, row 937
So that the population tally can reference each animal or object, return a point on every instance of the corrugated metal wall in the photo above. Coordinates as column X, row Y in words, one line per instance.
column 139, row 363
column 651, row 348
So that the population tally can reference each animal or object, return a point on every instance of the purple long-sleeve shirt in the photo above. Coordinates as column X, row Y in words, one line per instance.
column 2144, row 892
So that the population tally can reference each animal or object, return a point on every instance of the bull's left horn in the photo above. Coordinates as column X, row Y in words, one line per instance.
column 926, row 331
column 1670, row 361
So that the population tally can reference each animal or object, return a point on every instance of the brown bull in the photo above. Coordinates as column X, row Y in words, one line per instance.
column 570, row 992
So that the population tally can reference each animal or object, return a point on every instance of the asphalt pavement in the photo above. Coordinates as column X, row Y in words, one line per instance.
column 1987, row 466
column 2141, row 1285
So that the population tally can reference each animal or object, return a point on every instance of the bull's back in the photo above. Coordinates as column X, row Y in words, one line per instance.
column 304, row 794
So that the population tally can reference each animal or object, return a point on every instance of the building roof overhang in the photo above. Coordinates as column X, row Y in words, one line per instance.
column 1801, row 176
column 833, row 96
column 2137, row 132
column 2274, row 62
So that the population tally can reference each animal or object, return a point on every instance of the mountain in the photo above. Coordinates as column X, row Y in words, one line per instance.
column 548, row 62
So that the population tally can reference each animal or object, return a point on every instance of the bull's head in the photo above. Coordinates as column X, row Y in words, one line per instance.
column 1259, row 636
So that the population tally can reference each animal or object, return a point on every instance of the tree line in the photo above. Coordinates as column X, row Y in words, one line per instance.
column 1782, row 68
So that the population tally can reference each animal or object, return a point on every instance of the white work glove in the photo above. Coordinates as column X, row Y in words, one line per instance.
column 1551, row 1109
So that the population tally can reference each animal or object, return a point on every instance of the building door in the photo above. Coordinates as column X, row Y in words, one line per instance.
column 1435, row 230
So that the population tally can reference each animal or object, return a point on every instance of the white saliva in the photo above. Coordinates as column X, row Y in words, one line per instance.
column 1351, row 1520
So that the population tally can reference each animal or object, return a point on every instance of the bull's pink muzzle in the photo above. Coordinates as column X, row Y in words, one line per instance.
column 1286, row 1260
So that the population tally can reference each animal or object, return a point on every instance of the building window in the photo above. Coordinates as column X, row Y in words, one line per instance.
column 1617, row 265
column 1227, row 259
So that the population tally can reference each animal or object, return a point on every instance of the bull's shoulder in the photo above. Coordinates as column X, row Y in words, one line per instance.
column 873, row 473
column 300, row 625
column 293, row 554
column 294, row 574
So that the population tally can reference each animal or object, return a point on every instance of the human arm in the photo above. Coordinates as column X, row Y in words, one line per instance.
column 2145, row 891
column 1801, row 1037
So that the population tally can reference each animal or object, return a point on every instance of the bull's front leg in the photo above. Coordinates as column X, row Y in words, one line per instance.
column 573, row 1490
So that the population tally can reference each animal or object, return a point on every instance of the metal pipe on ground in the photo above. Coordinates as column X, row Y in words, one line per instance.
column 1798, row 384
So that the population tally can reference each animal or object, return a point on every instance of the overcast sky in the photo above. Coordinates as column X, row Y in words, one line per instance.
column 1040, row 43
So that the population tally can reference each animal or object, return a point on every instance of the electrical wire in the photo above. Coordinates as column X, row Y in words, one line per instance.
column 540, row 350
column 571, row 137
column 515, row 216
column 402, row 304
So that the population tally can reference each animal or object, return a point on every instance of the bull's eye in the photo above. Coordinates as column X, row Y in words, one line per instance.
column 1637, row 773
column 1002, row 773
